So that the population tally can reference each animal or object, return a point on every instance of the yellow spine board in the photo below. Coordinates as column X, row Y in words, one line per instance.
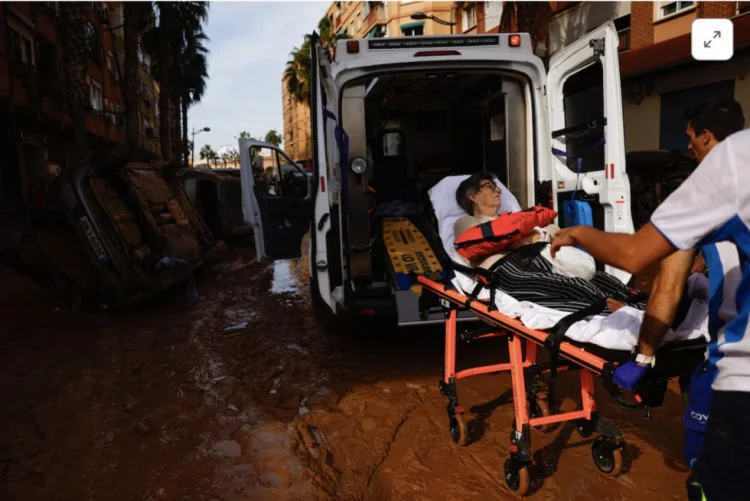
column 408, row 250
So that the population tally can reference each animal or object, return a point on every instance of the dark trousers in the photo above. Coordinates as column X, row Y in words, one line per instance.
column 722, row 471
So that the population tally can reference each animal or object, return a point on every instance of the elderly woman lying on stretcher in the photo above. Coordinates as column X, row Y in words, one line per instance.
column 480, row 197
column 529, row 284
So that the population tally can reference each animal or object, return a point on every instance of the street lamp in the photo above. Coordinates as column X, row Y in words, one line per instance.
column 192, row 149
column 421, row 16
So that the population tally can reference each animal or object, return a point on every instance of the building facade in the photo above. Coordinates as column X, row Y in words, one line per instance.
column 39, row 139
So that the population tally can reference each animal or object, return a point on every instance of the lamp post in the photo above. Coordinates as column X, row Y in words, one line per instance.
column 192, row 148
column 421, row 16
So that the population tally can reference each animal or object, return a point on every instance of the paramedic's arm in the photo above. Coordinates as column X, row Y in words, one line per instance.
column 705, row 202
column 631, row 253
column 664, row 299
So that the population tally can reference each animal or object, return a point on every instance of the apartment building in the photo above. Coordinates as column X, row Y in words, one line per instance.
column 31, row 98
column 365, row 20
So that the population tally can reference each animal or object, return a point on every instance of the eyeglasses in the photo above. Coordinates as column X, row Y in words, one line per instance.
column 490, row 186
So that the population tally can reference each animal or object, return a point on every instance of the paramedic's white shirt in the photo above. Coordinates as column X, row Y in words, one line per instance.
column 713, row 205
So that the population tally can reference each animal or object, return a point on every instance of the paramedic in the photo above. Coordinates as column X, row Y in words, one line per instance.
column 708, row 124
column 712, row 205
column 479, row 196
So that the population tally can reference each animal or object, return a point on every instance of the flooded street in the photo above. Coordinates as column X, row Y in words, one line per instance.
column 242, row 396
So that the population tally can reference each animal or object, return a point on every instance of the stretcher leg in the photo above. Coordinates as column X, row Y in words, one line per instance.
column 516, row 466
column 456, row 421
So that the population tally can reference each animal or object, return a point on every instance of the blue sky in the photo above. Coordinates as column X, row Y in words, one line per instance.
column 250, row 45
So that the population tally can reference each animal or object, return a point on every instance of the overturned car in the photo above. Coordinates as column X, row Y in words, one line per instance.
column 139, row 230
column 217, row 195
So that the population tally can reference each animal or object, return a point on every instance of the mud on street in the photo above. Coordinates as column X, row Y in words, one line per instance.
column 166, row 404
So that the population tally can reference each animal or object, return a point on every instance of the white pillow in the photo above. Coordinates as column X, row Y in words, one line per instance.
column 447, row 210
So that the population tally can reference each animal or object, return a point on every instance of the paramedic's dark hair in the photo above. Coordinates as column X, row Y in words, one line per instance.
column 721, row 117
column 469, row 187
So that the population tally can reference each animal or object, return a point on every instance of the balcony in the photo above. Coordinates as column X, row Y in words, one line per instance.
column 377, row 13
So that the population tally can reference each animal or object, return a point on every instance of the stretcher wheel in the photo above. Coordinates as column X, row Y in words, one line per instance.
column 608, row 457
column 459, row 429
column 539, row 408
column 585, row 427
column 517, row 478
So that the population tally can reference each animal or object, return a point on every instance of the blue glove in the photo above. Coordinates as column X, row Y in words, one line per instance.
column 628, row 375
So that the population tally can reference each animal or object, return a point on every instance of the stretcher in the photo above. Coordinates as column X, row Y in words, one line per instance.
column 534, row 408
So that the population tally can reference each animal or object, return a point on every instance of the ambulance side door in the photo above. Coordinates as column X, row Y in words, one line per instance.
column 586, row 121
column 276, row 199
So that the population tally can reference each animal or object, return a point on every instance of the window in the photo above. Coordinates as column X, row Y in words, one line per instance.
column 92, row 41
column 468, row 18
column 20, row 45
column 413, row 30
column 622, row 25
column 673, row 107
column 95, row 95
column 669, row 8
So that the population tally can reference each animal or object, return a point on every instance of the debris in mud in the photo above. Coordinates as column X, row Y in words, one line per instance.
column 236, row 328
column 144, row 428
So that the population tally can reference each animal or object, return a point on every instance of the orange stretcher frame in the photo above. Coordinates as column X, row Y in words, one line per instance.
column 608, row 450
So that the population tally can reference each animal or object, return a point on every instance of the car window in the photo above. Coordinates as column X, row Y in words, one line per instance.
column 293, row 181
column 276, row 175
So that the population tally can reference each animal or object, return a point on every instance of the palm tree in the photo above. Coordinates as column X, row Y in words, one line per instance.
column 194, row 71
column 297, row 72
column 164, row 41
column 72, row 22
column 272, row 137
column 245, row 135
column 234, row 157
column 526, row 17
column 207, row 153
column 329, row 37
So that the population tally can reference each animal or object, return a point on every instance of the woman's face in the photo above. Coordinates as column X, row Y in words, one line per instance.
column 487, row 198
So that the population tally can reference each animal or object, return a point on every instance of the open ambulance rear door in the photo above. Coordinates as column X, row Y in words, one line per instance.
column 276, row 199
column 324, row 120
column 588, row 144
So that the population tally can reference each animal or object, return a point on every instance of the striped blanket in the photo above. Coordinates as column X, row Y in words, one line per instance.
column 527, row 276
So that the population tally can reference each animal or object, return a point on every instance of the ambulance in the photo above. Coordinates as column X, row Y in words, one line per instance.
column 391, row 117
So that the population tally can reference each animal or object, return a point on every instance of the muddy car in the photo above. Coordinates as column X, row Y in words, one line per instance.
column 140, row 231
column 217, row 194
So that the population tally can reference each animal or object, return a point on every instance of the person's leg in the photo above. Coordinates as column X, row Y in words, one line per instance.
column 721, row 471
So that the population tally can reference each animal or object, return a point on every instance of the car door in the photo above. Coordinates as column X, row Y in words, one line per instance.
column 588, row 145
column 276, row 199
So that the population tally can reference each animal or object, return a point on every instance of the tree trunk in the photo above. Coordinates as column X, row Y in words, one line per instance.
column 185, row 141
column 75, row 61
column 130, row 80
column 177, row 129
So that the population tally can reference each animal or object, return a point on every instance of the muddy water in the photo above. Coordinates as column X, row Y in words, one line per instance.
column 170, row 404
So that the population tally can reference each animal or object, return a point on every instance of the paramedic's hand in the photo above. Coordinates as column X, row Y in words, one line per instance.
column 563, row 238
column 628, row 375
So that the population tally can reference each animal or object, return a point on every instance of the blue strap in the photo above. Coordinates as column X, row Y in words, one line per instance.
column 342, row 141
column 579, row 160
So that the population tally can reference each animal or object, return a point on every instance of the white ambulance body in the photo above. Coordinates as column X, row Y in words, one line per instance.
column 393, row 116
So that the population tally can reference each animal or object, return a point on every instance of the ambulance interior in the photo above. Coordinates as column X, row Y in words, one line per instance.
column 416, row 128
